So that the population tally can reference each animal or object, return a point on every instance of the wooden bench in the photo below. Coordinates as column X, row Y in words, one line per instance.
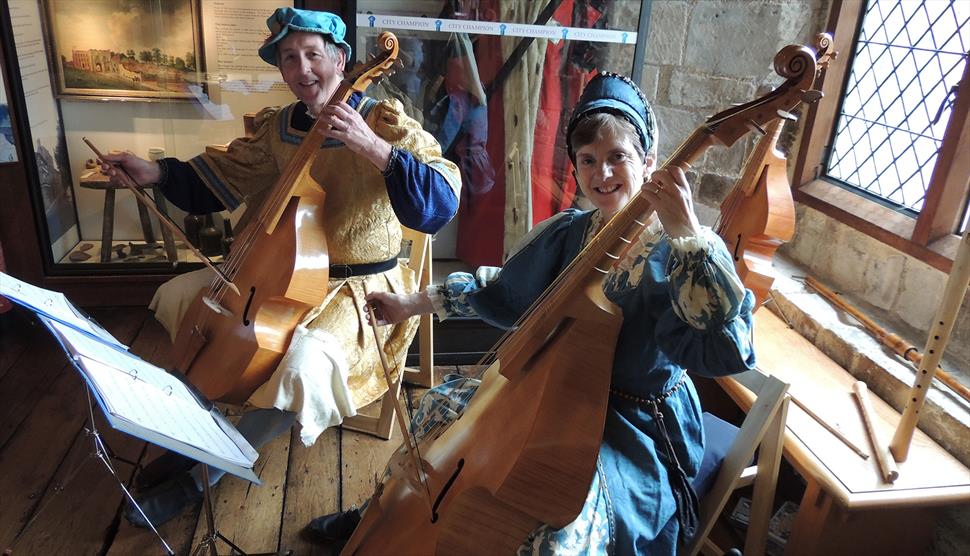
column 847, row 508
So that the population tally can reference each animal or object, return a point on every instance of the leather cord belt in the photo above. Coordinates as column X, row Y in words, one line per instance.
column 348, row 270
column 651, row 401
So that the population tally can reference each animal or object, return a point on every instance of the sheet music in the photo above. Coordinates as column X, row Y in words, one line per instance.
column 146, row 395
column 121, row 361
column 52, row 304
column 137, row 397
column 144, row 404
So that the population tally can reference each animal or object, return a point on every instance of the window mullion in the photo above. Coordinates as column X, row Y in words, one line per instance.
column 946, row 196
column 844, row 20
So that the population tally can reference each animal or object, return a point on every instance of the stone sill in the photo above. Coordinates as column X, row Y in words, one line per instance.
column 945, row 417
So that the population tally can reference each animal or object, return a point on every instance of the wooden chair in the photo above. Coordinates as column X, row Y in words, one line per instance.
column 381, row 425
column 763, row 430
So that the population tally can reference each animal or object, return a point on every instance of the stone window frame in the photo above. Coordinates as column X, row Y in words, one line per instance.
column 932, row 237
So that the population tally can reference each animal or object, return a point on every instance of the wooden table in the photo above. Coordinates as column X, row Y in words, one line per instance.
column 847, row 508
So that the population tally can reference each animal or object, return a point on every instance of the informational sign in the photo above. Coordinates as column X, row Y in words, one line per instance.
column 233, row 32
column 46, row 130
column 441, row 25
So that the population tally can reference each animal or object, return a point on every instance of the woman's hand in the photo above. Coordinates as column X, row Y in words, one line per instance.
column 142, row 171
column 670, row 194
column 346, row 125
column 392, row 308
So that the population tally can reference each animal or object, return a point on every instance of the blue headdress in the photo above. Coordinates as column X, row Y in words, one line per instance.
column 615, row 94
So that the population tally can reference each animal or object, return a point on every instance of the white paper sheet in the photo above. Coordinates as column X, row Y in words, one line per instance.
column 52, row 304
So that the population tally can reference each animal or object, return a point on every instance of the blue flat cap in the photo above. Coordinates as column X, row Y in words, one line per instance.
column 284, row 20
column 615, row 94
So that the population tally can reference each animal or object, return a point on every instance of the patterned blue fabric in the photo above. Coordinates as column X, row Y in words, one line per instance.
column 590, row 533
column 682, row 307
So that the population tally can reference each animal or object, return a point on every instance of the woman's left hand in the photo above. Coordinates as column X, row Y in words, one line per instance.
column 670, row 194
column 347, row 126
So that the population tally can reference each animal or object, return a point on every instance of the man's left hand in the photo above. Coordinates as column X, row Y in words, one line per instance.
column 346, row 125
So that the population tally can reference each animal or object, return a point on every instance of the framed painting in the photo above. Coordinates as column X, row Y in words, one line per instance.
column 131, row 49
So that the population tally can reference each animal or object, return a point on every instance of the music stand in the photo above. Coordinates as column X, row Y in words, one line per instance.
column 140, row 399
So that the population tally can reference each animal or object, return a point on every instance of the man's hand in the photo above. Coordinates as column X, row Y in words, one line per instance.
column 347, row 126
column 142, row 171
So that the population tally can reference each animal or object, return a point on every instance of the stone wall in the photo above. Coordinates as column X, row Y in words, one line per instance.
column 704, row 55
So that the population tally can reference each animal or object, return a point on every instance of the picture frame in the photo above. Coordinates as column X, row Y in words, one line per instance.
column 8, row 148
column 8, row 143
column 126, row 49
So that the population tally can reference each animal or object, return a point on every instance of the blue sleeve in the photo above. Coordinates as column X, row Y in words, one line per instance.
column 183, row 187
column 421, row 197
column 527, row 274
column 715, row 351
column 709, row 326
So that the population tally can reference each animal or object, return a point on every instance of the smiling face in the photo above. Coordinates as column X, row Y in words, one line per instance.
column 610, row 169
column 311, row 67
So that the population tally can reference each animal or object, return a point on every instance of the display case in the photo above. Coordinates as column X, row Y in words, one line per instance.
column 495, row 81
column 156, row 78
column 492, row 80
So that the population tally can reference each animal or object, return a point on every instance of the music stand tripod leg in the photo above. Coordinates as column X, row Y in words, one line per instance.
column 212, row 534
column 102, row 452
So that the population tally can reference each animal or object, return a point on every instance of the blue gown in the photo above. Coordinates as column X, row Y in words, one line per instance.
column 683, row 308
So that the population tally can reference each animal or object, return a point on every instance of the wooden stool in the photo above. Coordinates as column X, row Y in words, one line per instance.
column 94, row 179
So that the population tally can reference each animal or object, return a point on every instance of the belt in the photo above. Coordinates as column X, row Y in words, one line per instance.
column 348, row 270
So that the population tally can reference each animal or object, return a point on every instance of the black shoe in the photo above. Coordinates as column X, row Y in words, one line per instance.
column 161, row 469
column 164, row 501
column 337, row 526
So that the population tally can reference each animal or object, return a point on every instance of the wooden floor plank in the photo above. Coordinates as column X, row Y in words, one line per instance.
column 31, row 375
column 178, row 533
column 363, row 460
column 154, row 345
column 83, row 500
column 41, row 398
column 248, row 514
column 312, row 489
column 33, row 454
column 18, row 331
column 27, row 382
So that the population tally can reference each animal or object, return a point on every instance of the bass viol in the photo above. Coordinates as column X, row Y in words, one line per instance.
column 229, row 344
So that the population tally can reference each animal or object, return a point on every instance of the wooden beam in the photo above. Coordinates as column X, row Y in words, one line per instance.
column 946, row 197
